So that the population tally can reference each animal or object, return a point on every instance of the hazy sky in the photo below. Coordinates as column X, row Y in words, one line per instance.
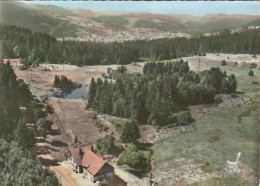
column 195, row 8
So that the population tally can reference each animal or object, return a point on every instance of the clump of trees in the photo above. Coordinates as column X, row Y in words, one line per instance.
column 62, row 82
column 161, row 95
column 19, row 167
column 39, row 115
column 105, row 144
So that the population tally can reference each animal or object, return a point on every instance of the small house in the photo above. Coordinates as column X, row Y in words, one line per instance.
column 86, row 160
column 13, row 62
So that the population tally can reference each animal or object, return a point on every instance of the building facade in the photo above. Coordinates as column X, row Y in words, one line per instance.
column 87, row 161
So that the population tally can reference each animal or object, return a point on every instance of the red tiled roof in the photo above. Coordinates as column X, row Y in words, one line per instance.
column 88, row 159
column 12, row 60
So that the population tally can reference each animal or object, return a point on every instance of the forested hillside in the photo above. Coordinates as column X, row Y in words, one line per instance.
column 159, row 97
column 37, row 19
column 17, row 165
column 37, row 47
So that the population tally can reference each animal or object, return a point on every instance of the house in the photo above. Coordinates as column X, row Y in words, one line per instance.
column 87, row 161
column 13, row 62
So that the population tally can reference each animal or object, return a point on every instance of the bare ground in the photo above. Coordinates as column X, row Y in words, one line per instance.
column 200, row 63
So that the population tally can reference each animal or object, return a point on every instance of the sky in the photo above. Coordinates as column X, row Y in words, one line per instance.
column 194, row 8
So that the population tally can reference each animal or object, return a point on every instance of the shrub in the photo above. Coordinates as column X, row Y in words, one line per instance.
column 223, row 62
column 132, row 158
column 105, row 144
column 251, row 73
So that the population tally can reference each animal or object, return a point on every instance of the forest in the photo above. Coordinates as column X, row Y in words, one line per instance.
column 37, row 47
column 18, row 166
column 161, row 95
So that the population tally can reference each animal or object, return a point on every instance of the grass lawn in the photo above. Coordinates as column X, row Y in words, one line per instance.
column 216, row 138
column 244, row 81
column 234, row 181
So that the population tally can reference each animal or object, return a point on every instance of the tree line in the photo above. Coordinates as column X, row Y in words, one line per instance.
column 17, row 164
column 161, row 95
column 37, row 47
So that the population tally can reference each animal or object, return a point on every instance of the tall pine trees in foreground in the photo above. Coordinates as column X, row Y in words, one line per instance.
column 161, row 95
column 17, row 165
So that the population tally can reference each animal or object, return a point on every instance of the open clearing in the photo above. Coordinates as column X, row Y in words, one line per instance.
column 217, row 135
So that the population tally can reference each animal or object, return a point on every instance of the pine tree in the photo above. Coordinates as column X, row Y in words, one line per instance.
column 131, row 132
column 91, row 93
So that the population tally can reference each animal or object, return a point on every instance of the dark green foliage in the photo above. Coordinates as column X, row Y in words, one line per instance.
column 62, row 82
column 24, row 92
column 131, row 132
column 37, row 47
column 9, row 98
column 161, row 95
column 251, row 73
column 105, row 144
column 24, row 136
column 132, row 158
column 223, row 62
column 18, row 167
column 42, row 125
column 36, row 109
column 91, row 93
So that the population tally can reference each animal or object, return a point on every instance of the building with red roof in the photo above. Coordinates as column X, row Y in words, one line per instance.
column 13, row 62
column 87, row 161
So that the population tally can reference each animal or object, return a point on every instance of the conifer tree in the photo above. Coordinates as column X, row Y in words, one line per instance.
column 131, row 132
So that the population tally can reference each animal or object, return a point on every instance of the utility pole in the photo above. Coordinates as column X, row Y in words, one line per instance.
column 199, row 65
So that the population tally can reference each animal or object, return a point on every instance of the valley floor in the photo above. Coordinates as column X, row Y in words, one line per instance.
column 183, row 154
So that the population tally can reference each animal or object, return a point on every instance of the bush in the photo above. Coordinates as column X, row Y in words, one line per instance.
column 223, row 62
column 132, row 158
column 105, row 144
column 251, row 73
column 42, row 125
column 253, row 65
column 36, row 109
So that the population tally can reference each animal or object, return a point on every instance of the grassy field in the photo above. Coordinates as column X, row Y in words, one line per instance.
column 111, row 20
column 244, row 81
column 216, row 138
column 234, row 181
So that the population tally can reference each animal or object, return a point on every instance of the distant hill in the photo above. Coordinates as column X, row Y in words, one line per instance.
column 27, row 17
column 163, row 26
column 254, row 23
column 54, row 10
column 111, row 20
column 61, row 22
column 216, row 25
